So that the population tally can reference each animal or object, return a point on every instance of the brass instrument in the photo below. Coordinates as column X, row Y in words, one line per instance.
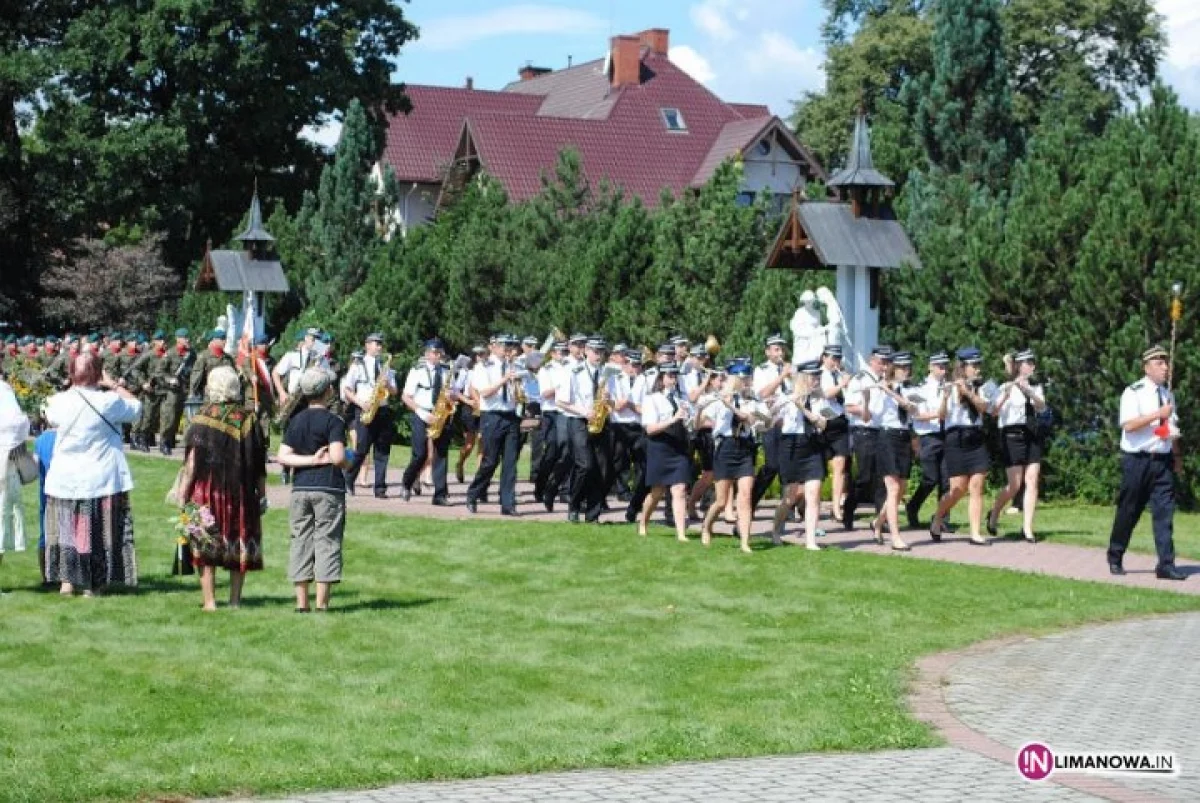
column 712, row 346
column 379, row 394
column 602, row 405
column 443, row 412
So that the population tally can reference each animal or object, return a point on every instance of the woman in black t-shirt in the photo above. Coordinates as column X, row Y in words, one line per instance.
column 314, row 447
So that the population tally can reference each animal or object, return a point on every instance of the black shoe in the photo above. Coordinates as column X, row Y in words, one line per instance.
column 472, row 507
column 936, row 530
column 381, row 494
column 508, row 511
column 416, row 489
column 549, row 503
column 350, row 488
column 630, row 516
column 1116, row 568
column 573, row 517
column 592, row 519
column 440, row 501
column 992, row 525
column 1170, row 573
column 483, row 499
column 166, row 450
column 405, row 494
column 625, row 496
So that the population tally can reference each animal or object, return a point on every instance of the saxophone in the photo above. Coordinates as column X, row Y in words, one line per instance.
column 379, row 395
column 601, row 408
column 443, row 411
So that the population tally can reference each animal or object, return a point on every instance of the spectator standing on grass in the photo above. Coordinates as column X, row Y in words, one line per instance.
column 314, row 447
column 89, row 521
column 14, row 428
column 225, row 470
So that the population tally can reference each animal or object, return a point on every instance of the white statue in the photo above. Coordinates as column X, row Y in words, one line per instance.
column 835, row 328
column 807, row 331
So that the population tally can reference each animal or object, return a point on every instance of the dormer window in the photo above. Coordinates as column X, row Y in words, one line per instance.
column 673, row 119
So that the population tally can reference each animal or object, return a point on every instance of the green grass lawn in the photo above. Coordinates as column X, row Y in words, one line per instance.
column 1090, row 525
column 469, row 649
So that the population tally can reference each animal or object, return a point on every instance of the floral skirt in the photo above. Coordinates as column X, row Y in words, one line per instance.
column 235, row 542
column 89, row 542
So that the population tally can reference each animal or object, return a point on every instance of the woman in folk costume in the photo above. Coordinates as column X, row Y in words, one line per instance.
column 1017, row 407
column 733, row 415
column 965, row 400
column 225, row 471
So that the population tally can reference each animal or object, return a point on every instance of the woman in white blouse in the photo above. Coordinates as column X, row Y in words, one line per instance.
column 1017, row 407
column 801, row 453
column 891, row 410
column 14, row 429
column 668, row 446
column 964, row 402
column 732, row 415
column 89, row 525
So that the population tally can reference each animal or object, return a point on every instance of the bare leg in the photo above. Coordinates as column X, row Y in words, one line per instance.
column 975, row 507
column 652, row 500
column 1033, row 474
column 838, row 466
column 710, row 517
column 787, row 500
column 812, row 513
column 323, row 592
column 1006, row 495
column 236, row 581
column 679, row 502
column 698, row 491
column 730, row 515
column 302, row 596
column 891, row 509
column 745, row 509
column 208, row 591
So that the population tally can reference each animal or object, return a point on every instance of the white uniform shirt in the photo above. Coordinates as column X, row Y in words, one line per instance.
column 420, row 381
column 792, row 419
column 586, row 381
column 828, row 381
column 931, row 402
column 1012, row 412
column 488, row 373
column 724, row 422
column 657, row 408
column 547, row 377
column 854, row 395
column 294, row 363
column 959, row 410
column 361, row 378
column 765, row 374
column 1142, row 398
column 627, row 386
column 886, row 411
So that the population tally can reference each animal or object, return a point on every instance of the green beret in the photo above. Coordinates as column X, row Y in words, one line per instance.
column 216, row 334
column 181, row 332
column 41, row 341
column 159, row 334
column 94, row 337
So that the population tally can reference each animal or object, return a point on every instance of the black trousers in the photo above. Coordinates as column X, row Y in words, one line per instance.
column 624, row 440
column 591, row 459
column 377, row 437
column 933, row 470
column 500, row 434
column 543, row 467
column 537, row 445
column 865, row 486
column 558, row 471
column 770, row 467
column 420, row 453
column 1145, row 479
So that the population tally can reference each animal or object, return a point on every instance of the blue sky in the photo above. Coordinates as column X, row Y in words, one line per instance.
column 751, row 51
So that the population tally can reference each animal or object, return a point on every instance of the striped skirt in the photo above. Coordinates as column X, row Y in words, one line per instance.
column 89, row 542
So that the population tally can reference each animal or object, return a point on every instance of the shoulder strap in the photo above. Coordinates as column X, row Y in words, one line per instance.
column 111, row 425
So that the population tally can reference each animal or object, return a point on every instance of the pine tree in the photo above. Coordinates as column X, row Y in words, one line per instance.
column 964, row 108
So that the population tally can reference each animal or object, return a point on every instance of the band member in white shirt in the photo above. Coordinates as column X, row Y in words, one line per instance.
column 625, row 424
column 931, row 436
column 834, row 381
column 533, row 404
column 589, row 484
column 866, row 486
column 801, row 452
column 468, row 411
column 358, row 387
column 1150, row 454
column 964, row 402
column 668, row 465
column 286, row 375
column 1021, row 441
column 772, row 378
column 423, row 387
column 552, row 447
column 494, row 381
column 733, row 415
column 890, row 407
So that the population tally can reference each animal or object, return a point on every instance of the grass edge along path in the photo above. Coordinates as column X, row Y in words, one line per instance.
column 461, row 650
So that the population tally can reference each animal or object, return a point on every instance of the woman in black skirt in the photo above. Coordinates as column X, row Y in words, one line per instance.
column 668, row 446
column 801, row 453
column 965, row 400
column 733, row 416
column 834, row 381
column 1017, row 408
column 702, row 438
column 893, row 459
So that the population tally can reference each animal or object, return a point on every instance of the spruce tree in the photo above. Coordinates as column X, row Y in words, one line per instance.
column 964, row 108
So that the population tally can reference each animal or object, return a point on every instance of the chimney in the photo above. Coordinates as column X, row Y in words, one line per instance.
column 626, row 58
column 470, row 82
column 658, row 40
column 529, row 72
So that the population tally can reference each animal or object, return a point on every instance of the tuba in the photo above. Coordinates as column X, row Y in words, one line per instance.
column 379, row 395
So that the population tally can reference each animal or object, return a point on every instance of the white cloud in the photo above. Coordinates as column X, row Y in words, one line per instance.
column 692, row 63
column 457, row 32
column 326, row 135
column 751, row 52
column 1182, row 19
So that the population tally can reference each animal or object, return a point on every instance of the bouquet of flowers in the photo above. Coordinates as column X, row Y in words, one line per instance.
column 195, row 533
column 31, row 388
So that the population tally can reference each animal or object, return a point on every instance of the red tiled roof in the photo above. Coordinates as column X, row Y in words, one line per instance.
column 749, row 110
column 620, row 134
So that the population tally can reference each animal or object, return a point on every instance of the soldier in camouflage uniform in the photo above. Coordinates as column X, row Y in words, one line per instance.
column 146, row 380
column 112, row 356
column 215, row 355
column 11, row 352
column 175, row 376
column 56, row 372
